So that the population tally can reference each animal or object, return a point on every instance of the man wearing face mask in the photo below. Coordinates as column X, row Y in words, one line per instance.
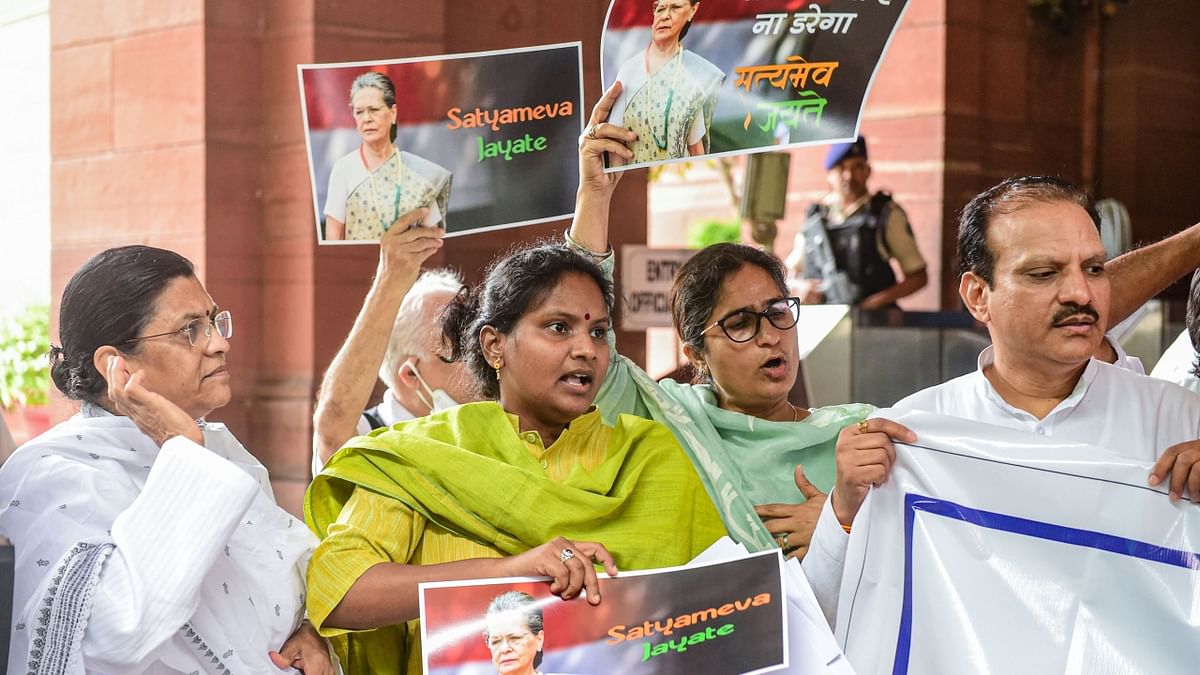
column 395, row 335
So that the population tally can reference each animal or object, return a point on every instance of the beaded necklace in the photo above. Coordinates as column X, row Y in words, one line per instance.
column 677, row 56
column 383, row 220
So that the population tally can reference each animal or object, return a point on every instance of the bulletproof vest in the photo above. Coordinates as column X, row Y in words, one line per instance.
column 853, row 244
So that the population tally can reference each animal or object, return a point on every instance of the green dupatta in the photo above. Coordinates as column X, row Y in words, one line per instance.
column 466, row 470
column 742, row 460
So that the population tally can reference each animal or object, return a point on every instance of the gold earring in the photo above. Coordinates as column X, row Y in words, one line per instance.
column 497, row 367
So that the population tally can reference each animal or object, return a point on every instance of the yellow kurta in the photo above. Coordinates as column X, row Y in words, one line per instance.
column 590, row 462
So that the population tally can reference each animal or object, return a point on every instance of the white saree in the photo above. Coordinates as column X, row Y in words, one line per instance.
column 376, row 199
column 669, row 109
column 135, row 559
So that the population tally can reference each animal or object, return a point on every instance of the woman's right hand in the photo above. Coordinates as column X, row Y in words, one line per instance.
column 599, row 138
column 157, row 417
column 407, row 245
column 570, row 572
column 864, row 458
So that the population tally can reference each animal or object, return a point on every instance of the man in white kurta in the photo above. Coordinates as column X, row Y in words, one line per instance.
column 132, row 559
column 398, row 325
column 1040, row 287
column 1179, row 363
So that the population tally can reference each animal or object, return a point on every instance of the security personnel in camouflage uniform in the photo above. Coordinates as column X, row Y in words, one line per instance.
column 849, row 239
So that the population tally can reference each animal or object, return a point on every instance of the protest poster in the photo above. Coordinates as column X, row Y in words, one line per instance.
column 483, row 140
column 1016, row 553
column 725, row 617
column 737, row 77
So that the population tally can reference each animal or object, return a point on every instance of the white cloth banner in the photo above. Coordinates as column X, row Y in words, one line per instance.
column 991, row 550
column 811, row 647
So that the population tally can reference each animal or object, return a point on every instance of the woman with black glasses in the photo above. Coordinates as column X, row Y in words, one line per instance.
column 136, row 519
column 766, row 463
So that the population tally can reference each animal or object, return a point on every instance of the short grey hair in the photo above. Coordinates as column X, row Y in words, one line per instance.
column 410, row 331
column 516, row 601
column 377, row 80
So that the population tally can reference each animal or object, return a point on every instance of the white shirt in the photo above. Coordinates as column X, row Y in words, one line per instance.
column 6, row 441
column 1124, row 359
column 1110, row 407
column 1176, row 364
column 202, row 568
column 390, row 411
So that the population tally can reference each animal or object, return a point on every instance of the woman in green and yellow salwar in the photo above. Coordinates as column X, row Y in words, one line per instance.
column 532, row 483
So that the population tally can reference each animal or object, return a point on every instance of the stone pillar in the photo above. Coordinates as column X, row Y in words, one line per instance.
column 1149, row 128
column 127, row 133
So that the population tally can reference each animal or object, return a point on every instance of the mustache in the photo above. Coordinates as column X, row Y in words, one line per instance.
column 1071, row 310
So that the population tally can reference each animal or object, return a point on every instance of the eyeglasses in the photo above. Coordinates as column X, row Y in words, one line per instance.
column 516, row 640
column 743, row 325
column 673, row 8
column 221, row 321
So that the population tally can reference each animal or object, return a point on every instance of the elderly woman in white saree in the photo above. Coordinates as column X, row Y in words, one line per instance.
column 370, row 188
column 669, row 93
column 146, row 539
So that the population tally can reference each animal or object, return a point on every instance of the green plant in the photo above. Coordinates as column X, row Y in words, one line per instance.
column 709, row 232
column 24, row 368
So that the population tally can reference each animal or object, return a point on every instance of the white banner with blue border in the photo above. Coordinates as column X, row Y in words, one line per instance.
column 995, row 550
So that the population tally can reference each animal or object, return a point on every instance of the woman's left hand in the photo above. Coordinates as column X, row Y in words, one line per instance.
column 305, row 651
column 792, row 525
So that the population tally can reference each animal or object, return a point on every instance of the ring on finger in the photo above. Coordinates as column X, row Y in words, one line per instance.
column 591, row 132
column 566, row 555
column 862, row 426
column 782, row 540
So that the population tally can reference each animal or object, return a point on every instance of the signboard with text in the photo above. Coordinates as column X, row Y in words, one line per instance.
column 646, row 275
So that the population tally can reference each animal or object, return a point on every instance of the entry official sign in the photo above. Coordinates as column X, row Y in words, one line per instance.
column 646, row 275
